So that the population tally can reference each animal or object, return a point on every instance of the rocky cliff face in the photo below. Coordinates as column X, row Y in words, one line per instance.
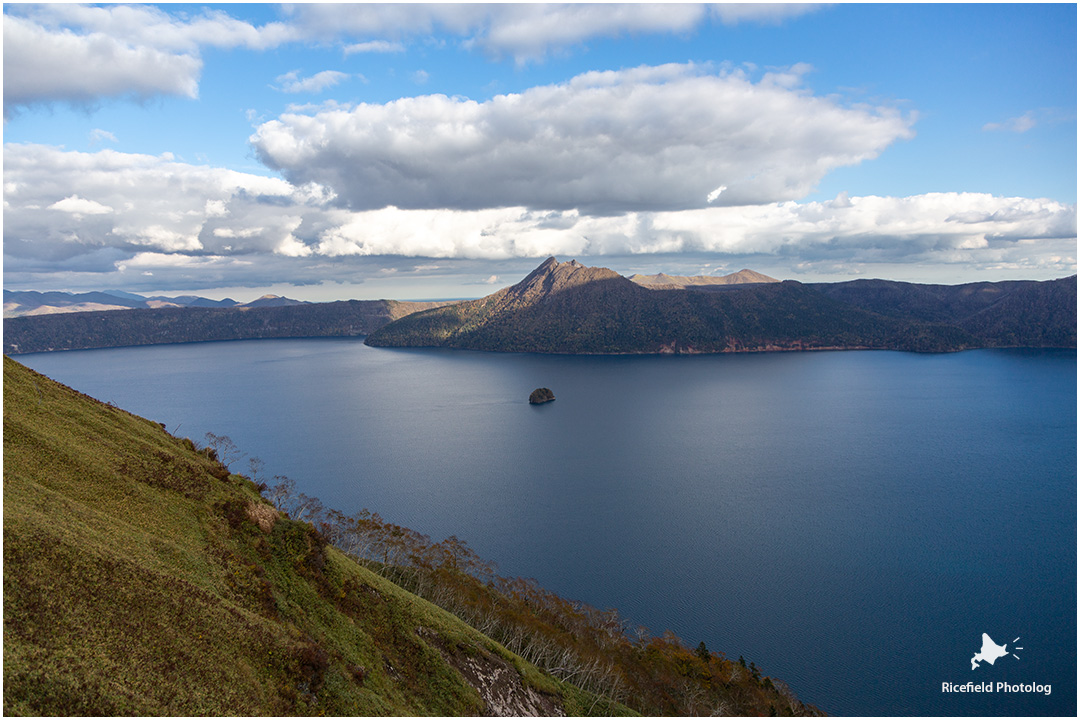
column 547, row 281
column 553, row 276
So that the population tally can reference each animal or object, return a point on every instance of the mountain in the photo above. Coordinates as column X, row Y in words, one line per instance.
column 41, row 303
column 118, row 328
column 663, row 281
column 190, row 301
column 19, row 303
column 1021, row 313
column 273, row 301
column 569, row 308
column 143, row 578
column 123, row 294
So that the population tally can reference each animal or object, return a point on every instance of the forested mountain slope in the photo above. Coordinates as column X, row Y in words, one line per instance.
column 119, row 328
column 568, row 308
column 594, row 310
column 1021, row 313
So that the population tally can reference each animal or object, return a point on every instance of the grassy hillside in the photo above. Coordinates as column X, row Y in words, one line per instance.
column 140, row 578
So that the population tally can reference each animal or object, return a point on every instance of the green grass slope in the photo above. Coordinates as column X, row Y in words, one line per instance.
column 140, row 578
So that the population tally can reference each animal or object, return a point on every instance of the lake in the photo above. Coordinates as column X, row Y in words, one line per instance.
column 852, row 522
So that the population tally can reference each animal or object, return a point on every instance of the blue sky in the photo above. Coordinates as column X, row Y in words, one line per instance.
column 429, row 151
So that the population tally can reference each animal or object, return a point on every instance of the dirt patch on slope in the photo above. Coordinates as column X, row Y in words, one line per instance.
column 498, row 682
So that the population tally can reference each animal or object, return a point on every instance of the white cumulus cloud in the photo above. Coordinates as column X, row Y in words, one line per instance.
column 649, row 138
column 81, row 54
column 69, row 204
column 524, row 31
column 935, row 227
column 80, row 206
column 92, row 215
column 42, row 66
column 146, row 25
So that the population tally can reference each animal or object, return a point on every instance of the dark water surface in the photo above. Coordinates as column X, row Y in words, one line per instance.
column 852, row 522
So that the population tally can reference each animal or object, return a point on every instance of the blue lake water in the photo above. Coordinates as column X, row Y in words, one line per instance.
column 852, row 522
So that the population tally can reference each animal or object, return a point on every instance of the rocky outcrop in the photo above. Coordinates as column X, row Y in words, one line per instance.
column 499, row 683
column 540, row 396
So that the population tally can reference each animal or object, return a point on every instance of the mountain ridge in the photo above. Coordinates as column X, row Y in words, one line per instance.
column 569, row 308
column 663, row 281
column 19, row 303
column 155, row 326
column 1009, row 313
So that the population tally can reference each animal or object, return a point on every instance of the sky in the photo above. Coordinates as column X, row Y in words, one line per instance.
column 328, row 152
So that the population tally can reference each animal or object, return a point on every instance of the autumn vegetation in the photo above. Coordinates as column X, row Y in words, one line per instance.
column 596, row 650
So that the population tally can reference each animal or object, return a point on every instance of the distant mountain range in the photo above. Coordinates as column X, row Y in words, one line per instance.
column 19, row 303
column 569, row 308
column 700, row 282
column 156, row 326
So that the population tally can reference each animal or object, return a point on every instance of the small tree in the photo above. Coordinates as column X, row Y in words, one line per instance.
column 226, row 450
column 256, row 465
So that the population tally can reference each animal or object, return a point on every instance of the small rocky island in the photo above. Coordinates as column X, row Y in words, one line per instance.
column 540, row 396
